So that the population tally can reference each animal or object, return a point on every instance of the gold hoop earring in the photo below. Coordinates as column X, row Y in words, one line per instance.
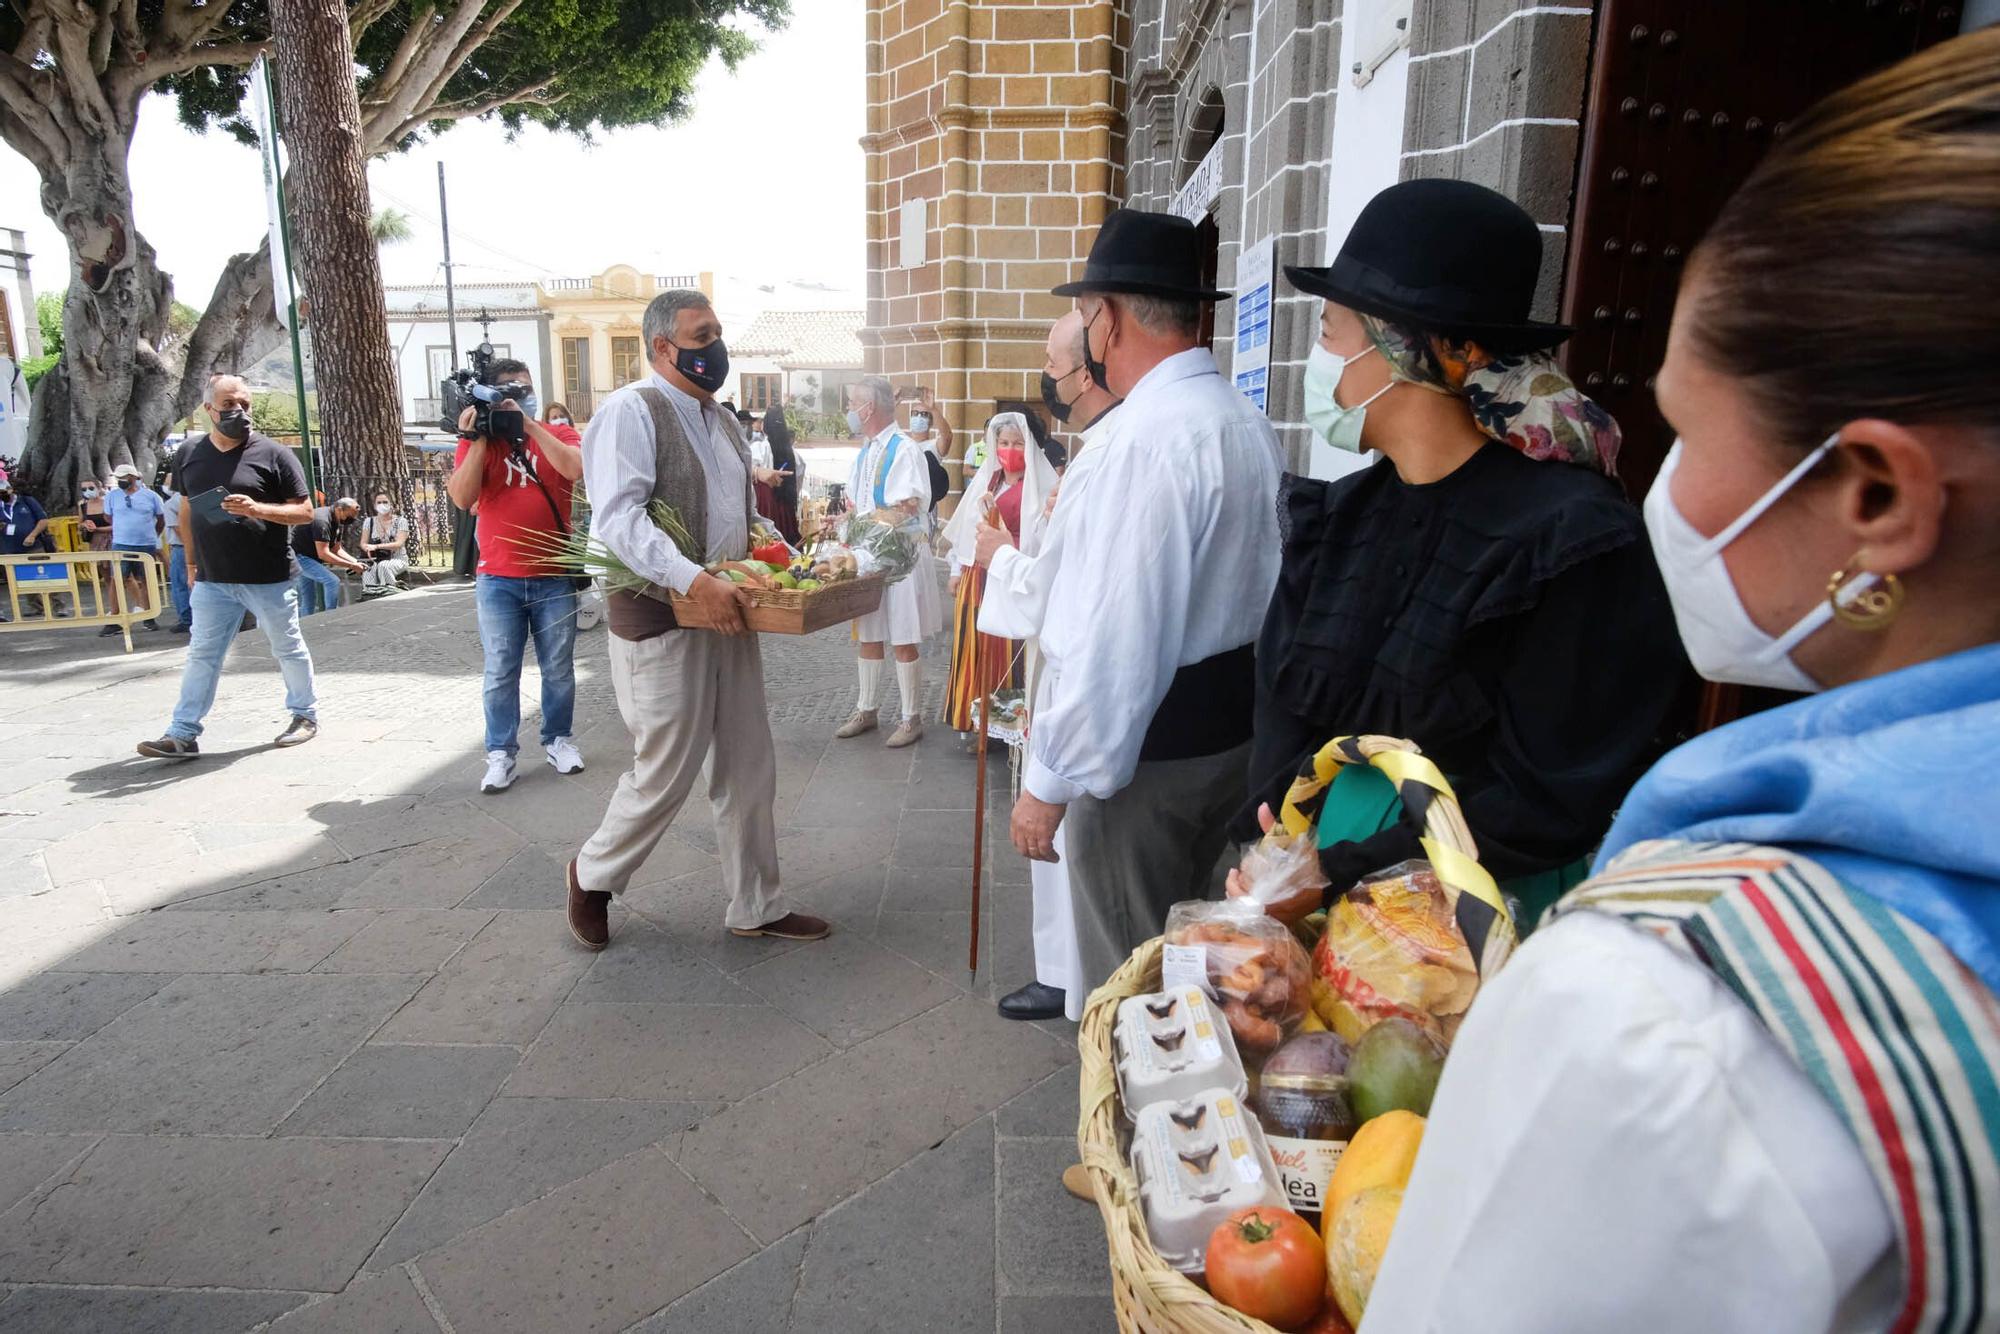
column 1873, row 608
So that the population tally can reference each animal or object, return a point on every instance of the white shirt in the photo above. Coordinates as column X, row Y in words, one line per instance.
column 908, row 477
column 619, row 472
column 1017, row 583
column 1168, row 529
column 760, row 452
column 172, row 508
column 1618, row 1144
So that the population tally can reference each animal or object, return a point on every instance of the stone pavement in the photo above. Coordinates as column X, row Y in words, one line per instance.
column 300, row 1037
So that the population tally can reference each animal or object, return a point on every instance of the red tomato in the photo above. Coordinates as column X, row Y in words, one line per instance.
column 1269, row 1264
column 1330, row 1321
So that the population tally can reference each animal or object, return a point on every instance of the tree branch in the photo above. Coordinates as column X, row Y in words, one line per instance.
column 471, row 108
column 365, row 16
column 453, row 43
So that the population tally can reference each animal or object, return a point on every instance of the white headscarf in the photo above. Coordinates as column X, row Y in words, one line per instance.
column 960, row 532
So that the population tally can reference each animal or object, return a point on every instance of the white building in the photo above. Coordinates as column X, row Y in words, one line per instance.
column 508, row 315
column 808, row 355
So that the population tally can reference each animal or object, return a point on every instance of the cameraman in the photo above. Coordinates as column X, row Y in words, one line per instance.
column 517, row 473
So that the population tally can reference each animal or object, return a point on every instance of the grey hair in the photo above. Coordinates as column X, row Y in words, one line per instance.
column 347, row 503
column 1158, row 314
column 664, row 311
column 877, row 388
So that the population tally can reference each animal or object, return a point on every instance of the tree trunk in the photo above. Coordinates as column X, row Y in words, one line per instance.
column 361, row 420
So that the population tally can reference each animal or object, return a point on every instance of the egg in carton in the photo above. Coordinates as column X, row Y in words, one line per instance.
column 1170, row 1045
column 1198, row 1161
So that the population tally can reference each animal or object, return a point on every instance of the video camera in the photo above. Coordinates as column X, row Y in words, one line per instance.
column 473, row 388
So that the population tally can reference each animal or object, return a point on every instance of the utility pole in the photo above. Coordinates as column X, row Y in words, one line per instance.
column 31, row 324
column 450, row 301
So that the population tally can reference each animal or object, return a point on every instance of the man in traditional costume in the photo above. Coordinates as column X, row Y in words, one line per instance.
column 890, row 474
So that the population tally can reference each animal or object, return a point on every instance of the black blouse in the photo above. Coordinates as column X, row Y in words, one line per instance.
column 1508, row 618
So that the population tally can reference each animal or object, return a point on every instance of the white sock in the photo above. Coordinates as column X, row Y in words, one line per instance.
column 871, row 684
column 910, row 685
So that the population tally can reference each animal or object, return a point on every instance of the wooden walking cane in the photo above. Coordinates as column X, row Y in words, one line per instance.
column 985, row 688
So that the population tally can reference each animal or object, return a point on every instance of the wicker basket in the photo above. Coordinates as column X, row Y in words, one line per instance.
column 793, row 611
column 1150, row 1295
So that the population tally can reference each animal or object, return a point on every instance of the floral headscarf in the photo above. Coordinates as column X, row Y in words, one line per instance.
column 1521, row 399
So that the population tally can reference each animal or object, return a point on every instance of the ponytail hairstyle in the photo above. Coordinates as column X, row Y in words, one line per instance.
column 1857, row 272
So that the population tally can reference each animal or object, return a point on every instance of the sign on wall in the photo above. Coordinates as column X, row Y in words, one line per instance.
column 1251, row 365
column 916, row 229
column 1194, row 199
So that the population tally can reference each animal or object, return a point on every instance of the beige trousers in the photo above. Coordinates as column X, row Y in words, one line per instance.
column 689, row 697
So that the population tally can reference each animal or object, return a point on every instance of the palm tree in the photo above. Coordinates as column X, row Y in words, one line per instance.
column 389, row 226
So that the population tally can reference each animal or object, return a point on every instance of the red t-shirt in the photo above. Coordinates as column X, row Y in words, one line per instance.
column 509, row 501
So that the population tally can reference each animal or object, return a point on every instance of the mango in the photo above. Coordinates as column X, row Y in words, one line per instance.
column 784, row 579
column 1396, row 1067
column 1355, row 1242
column 1381, row 1153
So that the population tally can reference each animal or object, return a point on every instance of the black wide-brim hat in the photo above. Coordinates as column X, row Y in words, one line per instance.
column 1146, row 254
column 1443, row 256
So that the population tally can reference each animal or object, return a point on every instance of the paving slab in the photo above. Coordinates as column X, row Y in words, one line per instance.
column 298, row 1214
column 939, row 941
column 18, row 1060
column 664, row 1053
column 219, row 942
column 519, row 1150
column 597, row 1255
column 841, row 801
column 441, row 873
column 775, row 1165
column 26, row 1161
column 317, row 888
column 1050, row 1242
column 378, row 1304
column 1049, row 1110
column 207, row 1055
column 63, row 1007
column 502, row 987
column 406, row 940
column 141, row 1311
column 386, row 1090
column 935, row 840
column 756, row 1295
column 846, row 988
column 646, row 965
column 862, row 1274
column 1058, row 1315
column 531, row 878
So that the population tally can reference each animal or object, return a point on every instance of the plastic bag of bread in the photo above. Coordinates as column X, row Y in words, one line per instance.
column 1247, row 961
column 1394, row 946
column 1280, row 872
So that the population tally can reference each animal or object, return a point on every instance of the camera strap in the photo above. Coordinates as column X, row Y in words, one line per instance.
column 576, row 581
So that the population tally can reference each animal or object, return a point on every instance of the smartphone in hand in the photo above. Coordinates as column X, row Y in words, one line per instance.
column 207, row 505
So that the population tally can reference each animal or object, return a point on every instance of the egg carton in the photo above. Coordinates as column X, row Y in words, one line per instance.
column 1170, row 1045
column 1198, row 1161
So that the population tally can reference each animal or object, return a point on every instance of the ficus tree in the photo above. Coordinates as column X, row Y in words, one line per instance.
column 74, row 72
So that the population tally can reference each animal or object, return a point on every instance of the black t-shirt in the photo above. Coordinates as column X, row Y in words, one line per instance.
column 237, row 550
column 324, row 528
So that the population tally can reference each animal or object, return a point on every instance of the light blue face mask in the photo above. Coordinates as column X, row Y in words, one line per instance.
column 1338, row 426
column 853, row 422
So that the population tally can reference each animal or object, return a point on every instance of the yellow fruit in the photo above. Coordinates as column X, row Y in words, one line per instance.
column 1355, row 1242
column 1311, row 1023
column 1381, row 1153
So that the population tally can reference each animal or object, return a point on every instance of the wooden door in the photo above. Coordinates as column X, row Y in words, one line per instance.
column 1684, row 99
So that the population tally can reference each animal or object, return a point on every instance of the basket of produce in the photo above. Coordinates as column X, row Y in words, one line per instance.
column 1254, row 1081
column 797, row 607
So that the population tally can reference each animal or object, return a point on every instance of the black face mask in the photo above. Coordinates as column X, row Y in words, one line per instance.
column 707, row 367
column 1050, row 399
column 235, row 424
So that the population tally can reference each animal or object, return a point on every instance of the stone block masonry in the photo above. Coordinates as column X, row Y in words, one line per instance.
column 1496, row 95
column 994, row 149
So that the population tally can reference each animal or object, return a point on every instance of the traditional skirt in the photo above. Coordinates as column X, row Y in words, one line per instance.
column 991, row 665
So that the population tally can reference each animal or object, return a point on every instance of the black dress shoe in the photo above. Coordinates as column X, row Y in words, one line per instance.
column 1033, row 1001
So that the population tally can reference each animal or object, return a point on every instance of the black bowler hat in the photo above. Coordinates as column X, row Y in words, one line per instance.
column 1146, row 254
column 1444, row 256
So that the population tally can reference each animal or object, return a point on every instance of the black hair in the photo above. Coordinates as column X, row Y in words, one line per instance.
column 507, row 366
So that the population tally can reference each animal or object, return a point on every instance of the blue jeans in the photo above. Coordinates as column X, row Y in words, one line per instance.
column 510, row 610
column 319, row 587
column 218, row 610
column 177, row 582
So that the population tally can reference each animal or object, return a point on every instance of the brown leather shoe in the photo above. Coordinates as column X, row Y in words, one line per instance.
column 792, row 926
column 589, row 914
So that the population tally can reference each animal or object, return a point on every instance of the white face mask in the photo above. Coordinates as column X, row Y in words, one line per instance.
column 1722, row 642
column 90, row 493
column 920, row 422
column 381, row 507
column 558, row 421
column 1338, row 426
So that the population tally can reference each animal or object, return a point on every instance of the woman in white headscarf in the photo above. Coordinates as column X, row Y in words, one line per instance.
column 1012, row 483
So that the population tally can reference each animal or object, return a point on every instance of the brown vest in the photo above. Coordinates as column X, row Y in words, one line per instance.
column 680, row 480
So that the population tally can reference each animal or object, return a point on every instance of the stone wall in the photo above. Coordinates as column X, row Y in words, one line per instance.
column 1007, row 119
column 1496, row 93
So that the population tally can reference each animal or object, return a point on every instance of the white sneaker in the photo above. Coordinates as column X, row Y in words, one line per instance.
column 499, row 772
column 564, row 755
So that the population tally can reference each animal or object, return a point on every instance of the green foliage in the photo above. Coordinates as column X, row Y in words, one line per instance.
column 812, row 424
column 34, row 368
column 598, row 64
column 389, row 226
column 181, row 319
column 278, row 415
column 48, row 314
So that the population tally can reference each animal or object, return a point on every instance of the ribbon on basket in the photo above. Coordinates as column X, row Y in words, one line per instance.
column 1446, row 839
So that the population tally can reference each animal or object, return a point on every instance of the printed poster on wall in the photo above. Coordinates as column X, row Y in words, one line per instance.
column 1251, row 365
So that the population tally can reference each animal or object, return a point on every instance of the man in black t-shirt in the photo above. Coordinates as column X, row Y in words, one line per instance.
column 316, row 547
column 243, row 492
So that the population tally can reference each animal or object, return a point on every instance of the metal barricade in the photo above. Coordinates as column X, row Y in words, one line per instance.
column 46, row 576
